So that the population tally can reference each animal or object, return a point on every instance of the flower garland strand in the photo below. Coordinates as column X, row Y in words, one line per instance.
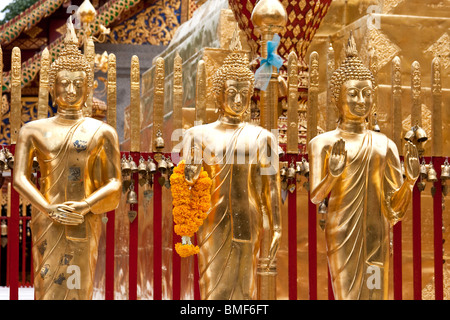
column 190, row 207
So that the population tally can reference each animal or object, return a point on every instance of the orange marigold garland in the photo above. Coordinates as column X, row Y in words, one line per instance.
column 190, row 207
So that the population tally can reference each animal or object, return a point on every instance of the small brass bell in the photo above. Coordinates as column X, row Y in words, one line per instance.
column 142, row 167
column 421, row 134
column 403, row 170
column 4, row 233
column 132, row 197
column 323, row 208
column 376, row 127
column 445, row 171
column 133, row 166
column 423, row 170
column 432, row 175
column 421, row 185
column 151, row 166
column 291, row 171
column 162, row 166
column 2, row 157
column 4, row 228
column 159, row 141
column 298, row 167
column 35, row 163
column 170, row 164
column 305, row 167
column 126, row 169
column 409, row 136
column 283, row 172
column 9, row 158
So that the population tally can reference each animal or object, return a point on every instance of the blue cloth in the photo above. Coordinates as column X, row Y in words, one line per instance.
column 264, row 72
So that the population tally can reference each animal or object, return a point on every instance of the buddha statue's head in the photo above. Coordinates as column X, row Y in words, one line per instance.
column 233, row 85
column 70, row 74
column 352, row 86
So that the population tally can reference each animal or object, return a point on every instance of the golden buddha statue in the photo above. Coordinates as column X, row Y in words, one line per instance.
column 360, row 171
column 242, row 161
column 79, row 162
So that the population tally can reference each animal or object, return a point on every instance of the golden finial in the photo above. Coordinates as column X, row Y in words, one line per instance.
column 70, row 58
column 235, row 43
column 235, row 66
column 351, row 50
column 71, row 36
column 269, row 15
column 87, row 12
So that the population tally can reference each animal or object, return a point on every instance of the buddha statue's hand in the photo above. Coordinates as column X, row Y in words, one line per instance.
column 81, row 207
column 412, row 164
column 64, row 214
column 338, row 158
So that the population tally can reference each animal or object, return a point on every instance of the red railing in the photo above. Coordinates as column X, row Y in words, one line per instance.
column 20, row 249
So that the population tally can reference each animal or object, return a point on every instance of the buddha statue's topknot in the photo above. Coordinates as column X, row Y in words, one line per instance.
column 351, row 69
column 70, row 58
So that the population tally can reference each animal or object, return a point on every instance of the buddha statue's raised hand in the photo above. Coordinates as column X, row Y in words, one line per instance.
column 412, row 165
column 338, row 158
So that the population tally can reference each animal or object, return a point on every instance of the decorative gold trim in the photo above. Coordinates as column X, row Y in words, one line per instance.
column 436, row 114
column 177, row 115
column 16, row 103
column 111, row 95
column 158, row 100
column 331, row 116
column 313, row 95
column 135, row 105
column 416, row 105
column 90, row 57
column 292, row 111
column 44, row 85
column 397, row 102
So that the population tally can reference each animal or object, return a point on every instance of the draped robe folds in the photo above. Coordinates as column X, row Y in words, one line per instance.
column 357, row 229
column 65, row 256
column 230, row 235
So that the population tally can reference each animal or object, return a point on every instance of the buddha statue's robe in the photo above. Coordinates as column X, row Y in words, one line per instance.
column 357, row 227
column 234, row 155
column 65, row 256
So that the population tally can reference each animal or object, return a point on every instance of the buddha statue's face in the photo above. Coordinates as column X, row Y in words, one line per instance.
column 70, row 89
column 235, row 97
column 356, row 99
